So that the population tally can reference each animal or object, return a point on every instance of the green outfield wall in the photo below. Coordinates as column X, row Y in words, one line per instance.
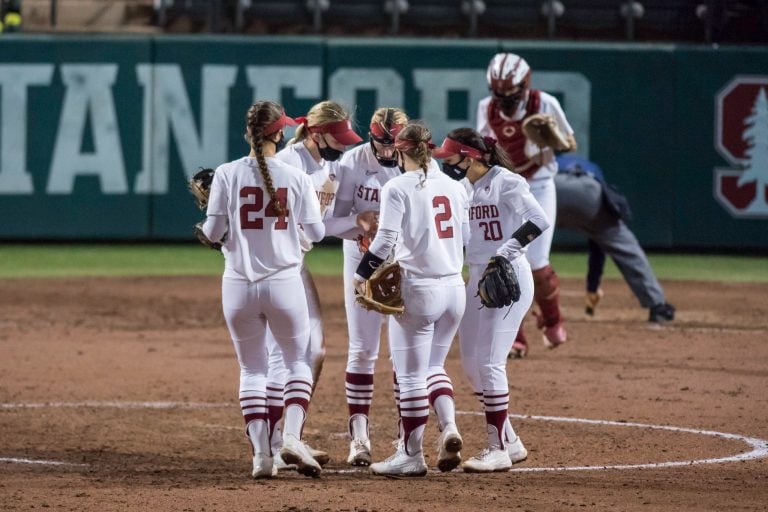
column 98, row 135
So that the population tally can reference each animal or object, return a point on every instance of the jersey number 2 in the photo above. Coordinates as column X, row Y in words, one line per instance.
column 246, row 222
column 444, row 216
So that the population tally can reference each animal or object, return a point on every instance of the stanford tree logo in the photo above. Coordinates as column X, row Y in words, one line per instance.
column 741, row 124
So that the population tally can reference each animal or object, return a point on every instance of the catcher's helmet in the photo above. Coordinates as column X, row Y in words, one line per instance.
column 508, row 71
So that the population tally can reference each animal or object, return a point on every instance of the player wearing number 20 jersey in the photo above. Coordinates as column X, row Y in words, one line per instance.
column 424, row 216
column 504, row 218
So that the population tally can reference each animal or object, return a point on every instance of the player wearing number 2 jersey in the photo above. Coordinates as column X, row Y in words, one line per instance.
column 504, row 218
column 260, row 203
column 424, row 214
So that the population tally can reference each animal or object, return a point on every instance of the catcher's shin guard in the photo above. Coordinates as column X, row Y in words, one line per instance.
column 547, row 296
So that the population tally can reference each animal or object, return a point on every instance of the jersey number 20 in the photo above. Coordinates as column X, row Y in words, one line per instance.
column 443, row 216
column 246, row 222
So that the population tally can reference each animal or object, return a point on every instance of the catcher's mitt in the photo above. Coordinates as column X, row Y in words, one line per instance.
column 198, row 230
column 199, row 186
column 542, row 130
column 382, row 291
column 498, row 287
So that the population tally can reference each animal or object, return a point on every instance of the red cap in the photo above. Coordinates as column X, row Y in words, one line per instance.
column 451, row 147
column 280, row 124
column 341, row 130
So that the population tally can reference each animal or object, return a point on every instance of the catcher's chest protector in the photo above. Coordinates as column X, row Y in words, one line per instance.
column 510, row 133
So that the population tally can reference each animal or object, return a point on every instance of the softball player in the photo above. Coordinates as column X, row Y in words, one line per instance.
column 426, row 214
column 366, row 169
column 504, row 218
column 259, row 202
column 501, row 115
column 318, row 144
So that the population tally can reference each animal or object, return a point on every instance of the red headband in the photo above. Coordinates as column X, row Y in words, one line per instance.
column 279, row 124
column 380, row 132
column 451, row 147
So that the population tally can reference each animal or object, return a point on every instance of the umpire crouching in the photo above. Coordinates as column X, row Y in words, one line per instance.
column 587, row 204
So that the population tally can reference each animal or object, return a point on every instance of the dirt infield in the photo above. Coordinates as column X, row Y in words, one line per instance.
column 132, row 385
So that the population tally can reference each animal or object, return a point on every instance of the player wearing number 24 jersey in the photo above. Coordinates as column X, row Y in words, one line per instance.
column 262, row 242
column 260, row 202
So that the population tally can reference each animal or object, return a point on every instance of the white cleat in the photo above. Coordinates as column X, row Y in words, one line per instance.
column 359, row 452
column 489, row 461
column 320, row 456
column 263, row 466
column 279, row 464
column 401, row 464
column 517, row 452
column 296, row 452
column 449, row 446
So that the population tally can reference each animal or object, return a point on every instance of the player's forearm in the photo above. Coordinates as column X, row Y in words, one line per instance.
column 342, row 227
column 523, row 236
column 314, row 232
column 383, row 243
column 215, row 227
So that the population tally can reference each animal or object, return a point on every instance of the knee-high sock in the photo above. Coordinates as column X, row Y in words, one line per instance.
column 440, row 389
column 275, row 414
column 297, row 396
column 254, row 407
column 359, row 395
column 414, row 412
column 496, row 406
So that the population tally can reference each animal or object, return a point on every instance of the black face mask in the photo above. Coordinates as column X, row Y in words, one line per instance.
column 328, row 153
column 399, row 166
column 280, row 144
column 508, row 104
column 383, row 161
column 454, row 171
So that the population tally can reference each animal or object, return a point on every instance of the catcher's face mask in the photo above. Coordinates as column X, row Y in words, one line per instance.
column 510, row 100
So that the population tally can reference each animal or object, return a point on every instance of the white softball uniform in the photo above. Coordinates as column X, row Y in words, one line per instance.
column 428, row 219
column 500, row 202
column 262, row 260
column 324, row 177
column 362, row 179
column 542, row 182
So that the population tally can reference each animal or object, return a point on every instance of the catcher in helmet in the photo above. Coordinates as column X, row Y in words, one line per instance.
column 502, row 115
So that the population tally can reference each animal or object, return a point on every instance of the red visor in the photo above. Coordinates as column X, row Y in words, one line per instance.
column 280, row 124
column 341, row 130
column 452, row 147
column 379, row 132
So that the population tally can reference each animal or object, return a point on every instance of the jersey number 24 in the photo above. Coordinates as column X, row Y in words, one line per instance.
column 247, row 221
